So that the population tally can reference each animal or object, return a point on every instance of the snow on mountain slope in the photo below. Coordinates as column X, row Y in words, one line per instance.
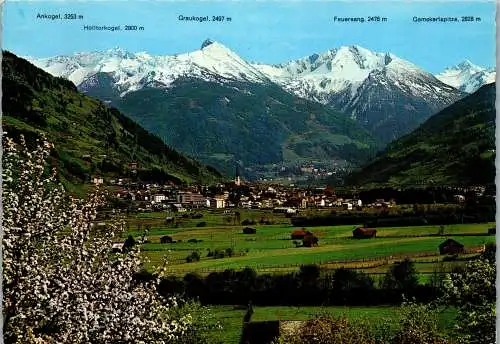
column 388, row 95
column 131, row 72
column 467, row 77
column 318, row 77
column 340, row 71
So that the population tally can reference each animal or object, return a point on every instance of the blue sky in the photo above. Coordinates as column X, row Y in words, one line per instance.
column 260, row 31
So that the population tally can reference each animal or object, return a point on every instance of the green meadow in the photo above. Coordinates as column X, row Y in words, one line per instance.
column 272, row 250
column 231, row 318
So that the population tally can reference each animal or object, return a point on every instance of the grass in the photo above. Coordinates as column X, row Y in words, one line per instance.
column 271, row 248
column 231, row 319
column 271, row 251
column 319, row 255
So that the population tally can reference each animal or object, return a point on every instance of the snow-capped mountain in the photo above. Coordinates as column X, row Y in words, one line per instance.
column 384, row 92
column 388, row 95
column 344, row 70
column 130, row 72
column 334, row 71
column 467, row 77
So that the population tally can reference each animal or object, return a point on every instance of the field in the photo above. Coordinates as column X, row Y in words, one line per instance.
column 231, row 318
column 270, row 250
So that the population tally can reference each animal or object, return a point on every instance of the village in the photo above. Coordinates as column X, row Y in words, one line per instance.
column 145, row 197
column 286, row 199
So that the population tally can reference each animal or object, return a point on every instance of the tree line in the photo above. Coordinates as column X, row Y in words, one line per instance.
column 310, row 286
column 418, row 216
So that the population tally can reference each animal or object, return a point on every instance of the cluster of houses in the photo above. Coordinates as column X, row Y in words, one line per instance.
column 284, row 199
column 236, row 194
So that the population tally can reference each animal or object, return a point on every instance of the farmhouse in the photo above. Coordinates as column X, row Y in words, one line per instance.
column 310, row 240
column 249, row 230
column 451, row 246
column 299, row 234
column 364, row 233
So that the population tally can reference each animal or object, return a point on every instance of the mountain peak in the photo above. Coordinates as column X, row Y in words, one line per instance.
column 206, row 43
column 465, row 64
column 119, row 52
column 467, row 76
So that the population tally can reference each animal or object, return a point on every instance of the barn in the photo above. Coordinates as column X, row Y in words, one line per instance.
column 364, row 233
column 310, row 240
column 249, row 230
column 451, row 246
column 299, row 234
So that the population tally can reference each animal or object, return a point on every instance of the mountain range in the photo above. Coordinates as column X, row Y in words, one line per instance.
column 216, row 106
column 454, row 147
column 388, row 95
column 89, row 138
column 467, row 77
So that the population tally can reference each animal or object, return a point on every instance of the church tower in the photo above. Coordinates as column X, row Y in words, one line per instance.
column 237, row 180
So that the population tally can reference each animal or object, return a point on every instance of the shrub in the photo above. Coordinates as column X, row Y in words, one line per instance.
column 472, row 291
column 401, row 276
column 247, row 222
column 166, row 239
column 201, row 224
column 418, row 325
column 326, row 330
column 193, row 257
column 219, row 254
column 489, row 252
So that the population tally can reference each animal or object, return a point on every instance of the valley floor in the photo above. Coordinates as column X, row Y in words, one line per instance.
column 271, row 250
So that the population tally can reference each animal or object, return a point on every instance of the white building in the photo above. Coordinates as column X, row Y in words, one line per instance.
column 158, row 198
column 347, row 206
column 191, row 198
column 218, row 202
column 98, row 180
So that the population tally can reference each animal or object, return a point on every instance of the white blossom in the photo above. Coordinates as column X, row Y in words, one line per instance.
column 61, row 283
